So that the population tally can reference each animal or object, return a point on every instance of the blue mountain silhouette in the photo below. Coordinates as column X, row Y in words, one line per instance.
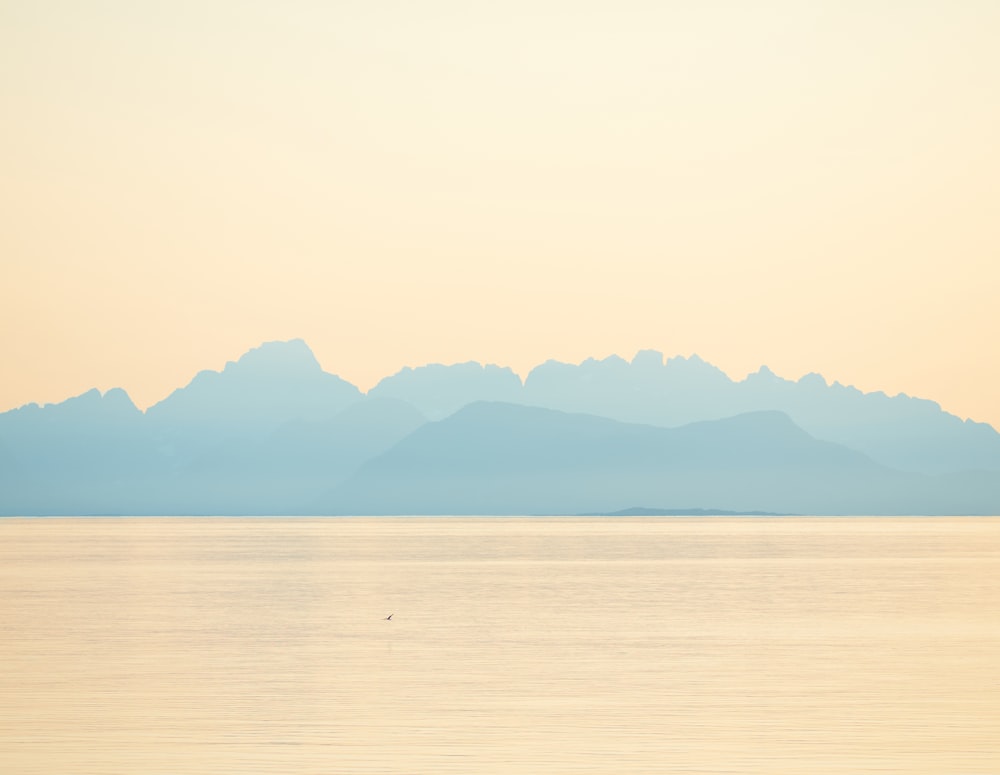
column 267, row 434
column 902, row 432
column 270, row 385
column 273, row 433
column 284, row 471
column 88, row 454
column 495, row 458
column 438, row 390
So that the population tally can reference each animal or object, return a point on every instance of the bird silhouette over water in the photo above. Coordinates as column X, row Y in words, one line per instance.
column 388, row 618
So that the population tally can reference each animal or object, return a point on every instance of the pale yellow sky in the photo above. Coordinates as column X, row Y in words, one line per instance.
column 814, row 186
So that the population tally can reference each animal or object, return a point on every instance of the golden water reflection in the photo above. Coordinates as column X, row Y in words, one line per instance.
column 219, row 645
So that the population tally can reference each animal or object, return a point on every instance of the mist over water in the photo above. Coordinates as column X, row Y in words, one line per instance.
column 516, row 645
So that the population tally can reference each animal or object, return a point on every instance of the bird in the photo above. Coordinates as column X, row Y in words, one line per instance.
column 388, row 618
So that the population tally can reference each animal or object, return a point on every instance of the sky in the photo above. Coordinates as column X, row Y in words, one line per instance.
column 814, row 186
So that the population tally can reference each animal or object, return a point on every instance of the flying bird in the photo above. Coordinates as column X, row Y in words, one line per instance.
column 389, row 617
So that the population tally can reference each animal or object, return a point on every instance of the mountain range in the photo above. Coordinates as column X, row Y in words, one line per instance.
column 272, row 433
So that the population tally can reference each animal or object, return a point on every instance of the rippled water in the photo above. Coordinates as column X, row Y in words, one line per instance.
column 516, row 645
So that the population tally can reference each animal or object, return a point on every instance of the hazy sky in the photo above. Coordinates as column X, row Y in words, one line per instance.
column 814, row 186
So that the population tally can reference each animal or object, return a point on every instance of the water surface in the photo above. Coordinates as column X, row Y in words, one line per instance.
column 650, row 645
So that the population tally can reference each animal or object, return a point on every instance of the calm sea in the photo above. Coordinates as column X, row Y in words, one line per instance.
column 651, row 645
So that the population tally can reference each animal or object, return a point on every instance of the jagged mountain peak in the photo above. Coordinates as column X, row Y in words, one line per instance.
column 280, row 381
column 813, row 380
column 94, row 401
column 269, row 384
column 647, row 360
column 437, row 389
column 276, row 358
column 764, row 374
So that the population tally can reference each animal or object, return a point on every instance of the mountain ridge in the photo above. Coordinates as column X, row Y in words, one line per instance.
column 272, row 430
column 495, row 458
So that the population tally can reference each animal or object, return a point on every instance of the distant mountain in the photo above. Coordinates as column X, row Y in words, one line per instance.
column 286, row 470
column 270, row 385
column 901, row 432
column 645, row 390
column 107, row 462
column 273, row 433
column 261, row 383
column 267, row 434
column 495, row 458
column 912, row 434
column 438, row 390
column 89, row 454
